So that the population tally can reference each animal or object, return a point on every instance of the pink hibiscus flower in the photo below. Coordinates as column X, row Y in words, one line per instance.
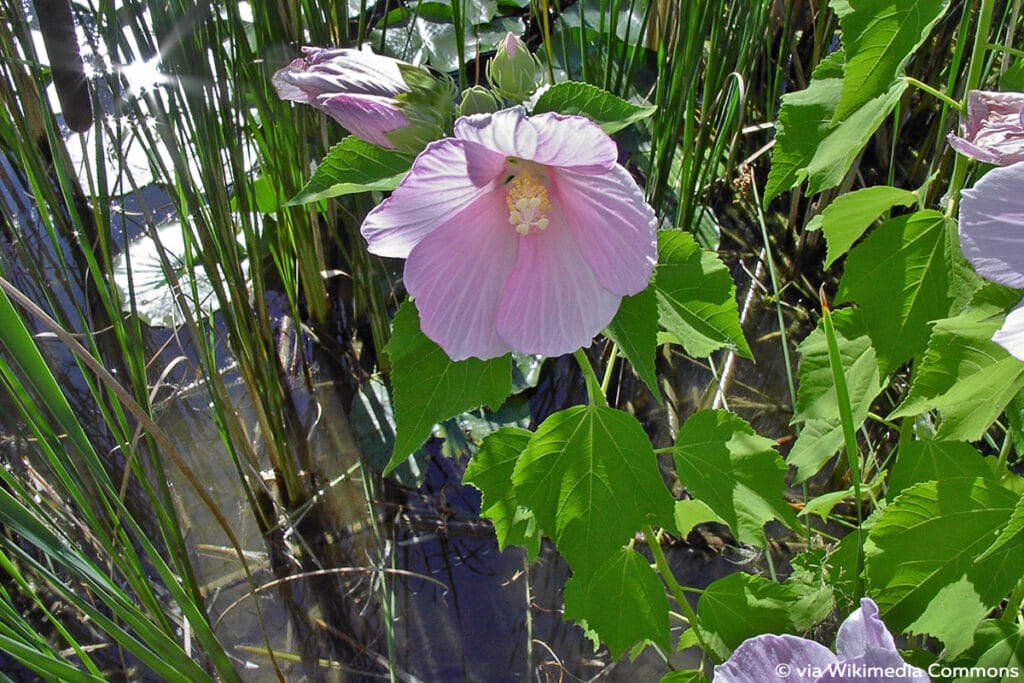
column 521, row 233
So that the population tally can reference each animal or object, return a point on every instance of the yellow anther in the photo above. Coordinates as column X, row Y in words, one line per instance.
column 527, row 201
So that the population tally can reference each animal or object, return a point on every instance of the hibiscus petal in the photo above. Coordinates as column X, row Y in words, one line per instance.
column 613, row 226
column 863, row 629
column 1011, row 335
column 758, row 660
column 457, row 274
column 553, row 302
column 571, row 142
column 992, row 226
column 445, row 178
column 368, row 117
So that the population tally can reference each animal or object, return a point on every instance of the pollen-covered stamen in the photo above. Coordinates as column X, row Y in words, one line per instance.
column 527, row 201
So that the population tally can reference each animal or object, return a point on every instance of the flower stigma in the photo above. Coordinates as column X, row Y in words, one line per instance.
column 527, row 201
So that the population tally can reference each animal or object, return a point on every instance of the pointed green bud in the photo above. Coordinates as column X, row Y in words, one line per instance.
column 514, row 72
column 478, row 100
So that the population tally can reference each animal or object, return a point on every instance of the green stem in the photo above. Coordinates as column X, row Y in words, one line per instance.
column 594, row 392
column 1016, row 600
column 849, row 435
column 958, row 106
column 666, row 575
column 606, row 381
column 973, row 80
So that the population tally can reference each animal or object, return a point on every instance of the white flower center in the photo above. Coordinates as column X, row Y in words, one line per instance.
column 527, row 201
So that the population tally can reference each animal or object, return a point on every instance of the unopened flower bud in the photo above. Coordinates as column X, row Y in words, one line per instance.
column 513, row 71
column 378, row 99
column 478, row 100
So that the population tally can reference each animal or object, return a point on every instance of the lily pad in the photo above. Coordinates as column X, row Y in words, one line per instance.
column 148, row 291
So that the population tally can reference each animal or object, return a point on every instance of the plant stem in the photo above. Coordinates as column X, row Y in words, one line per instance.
column 594, row 392
column 670, row 581
column 849, row 435
column 959, row 106
column 973, row 80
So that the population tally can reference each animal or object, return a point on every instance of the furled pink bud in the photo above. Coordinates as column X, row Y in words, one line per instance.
column 994, row 129
column 383, row 101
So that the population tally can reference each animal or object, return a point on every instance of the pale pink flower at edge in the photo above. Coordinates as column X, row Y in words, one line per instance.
column 994, row 129
column 863, row 645
column 520, row 233
column 992, row 239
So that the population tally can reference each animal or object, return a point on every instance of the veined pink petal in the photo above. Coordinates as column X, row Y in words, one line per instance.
column 758, row 660
column 862, row 630
column 992, row 226
column 571, row 142
column 1011, row 335
column 368, row 117
column 456, row 275
column 993, row 131
column 553, row 302
column 614, row 227
column 445, row 178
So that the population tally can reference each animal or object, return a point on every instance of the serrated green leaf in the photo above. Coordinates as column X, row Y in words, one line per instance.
column 1011, row 535
column 879, row 37
column 612, row 113
column 899, row 276
column 742, row 606
column 623, row 602
column 817, row 441
column 635, row 330
column 738, row 474
column 998, row 648
column 964, row 375
column 919, row 461
column 809, row 147
column 922, row 558
column 816, row 397
column 809, row 581
column 429, row 387
column 591, row 478
column 490, row 471
column 850, row 215
column 817, row 404
column 353, row 166
column 691, row 512
column 689, row 676
column 696, row 297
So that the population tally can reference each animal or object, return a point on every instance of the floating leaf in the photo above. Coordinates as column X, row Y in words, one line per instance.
column 157, row 301
column 899, row 276
column 738, row 474
column 635, row 330
column 591, row 478
column 611, row 112
column 850, row 215
column 923, row 558
column 623, row 602
column 429, row 387
column 696, row 297
column 373, row 421
column 351, row 166
column 490, row 471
